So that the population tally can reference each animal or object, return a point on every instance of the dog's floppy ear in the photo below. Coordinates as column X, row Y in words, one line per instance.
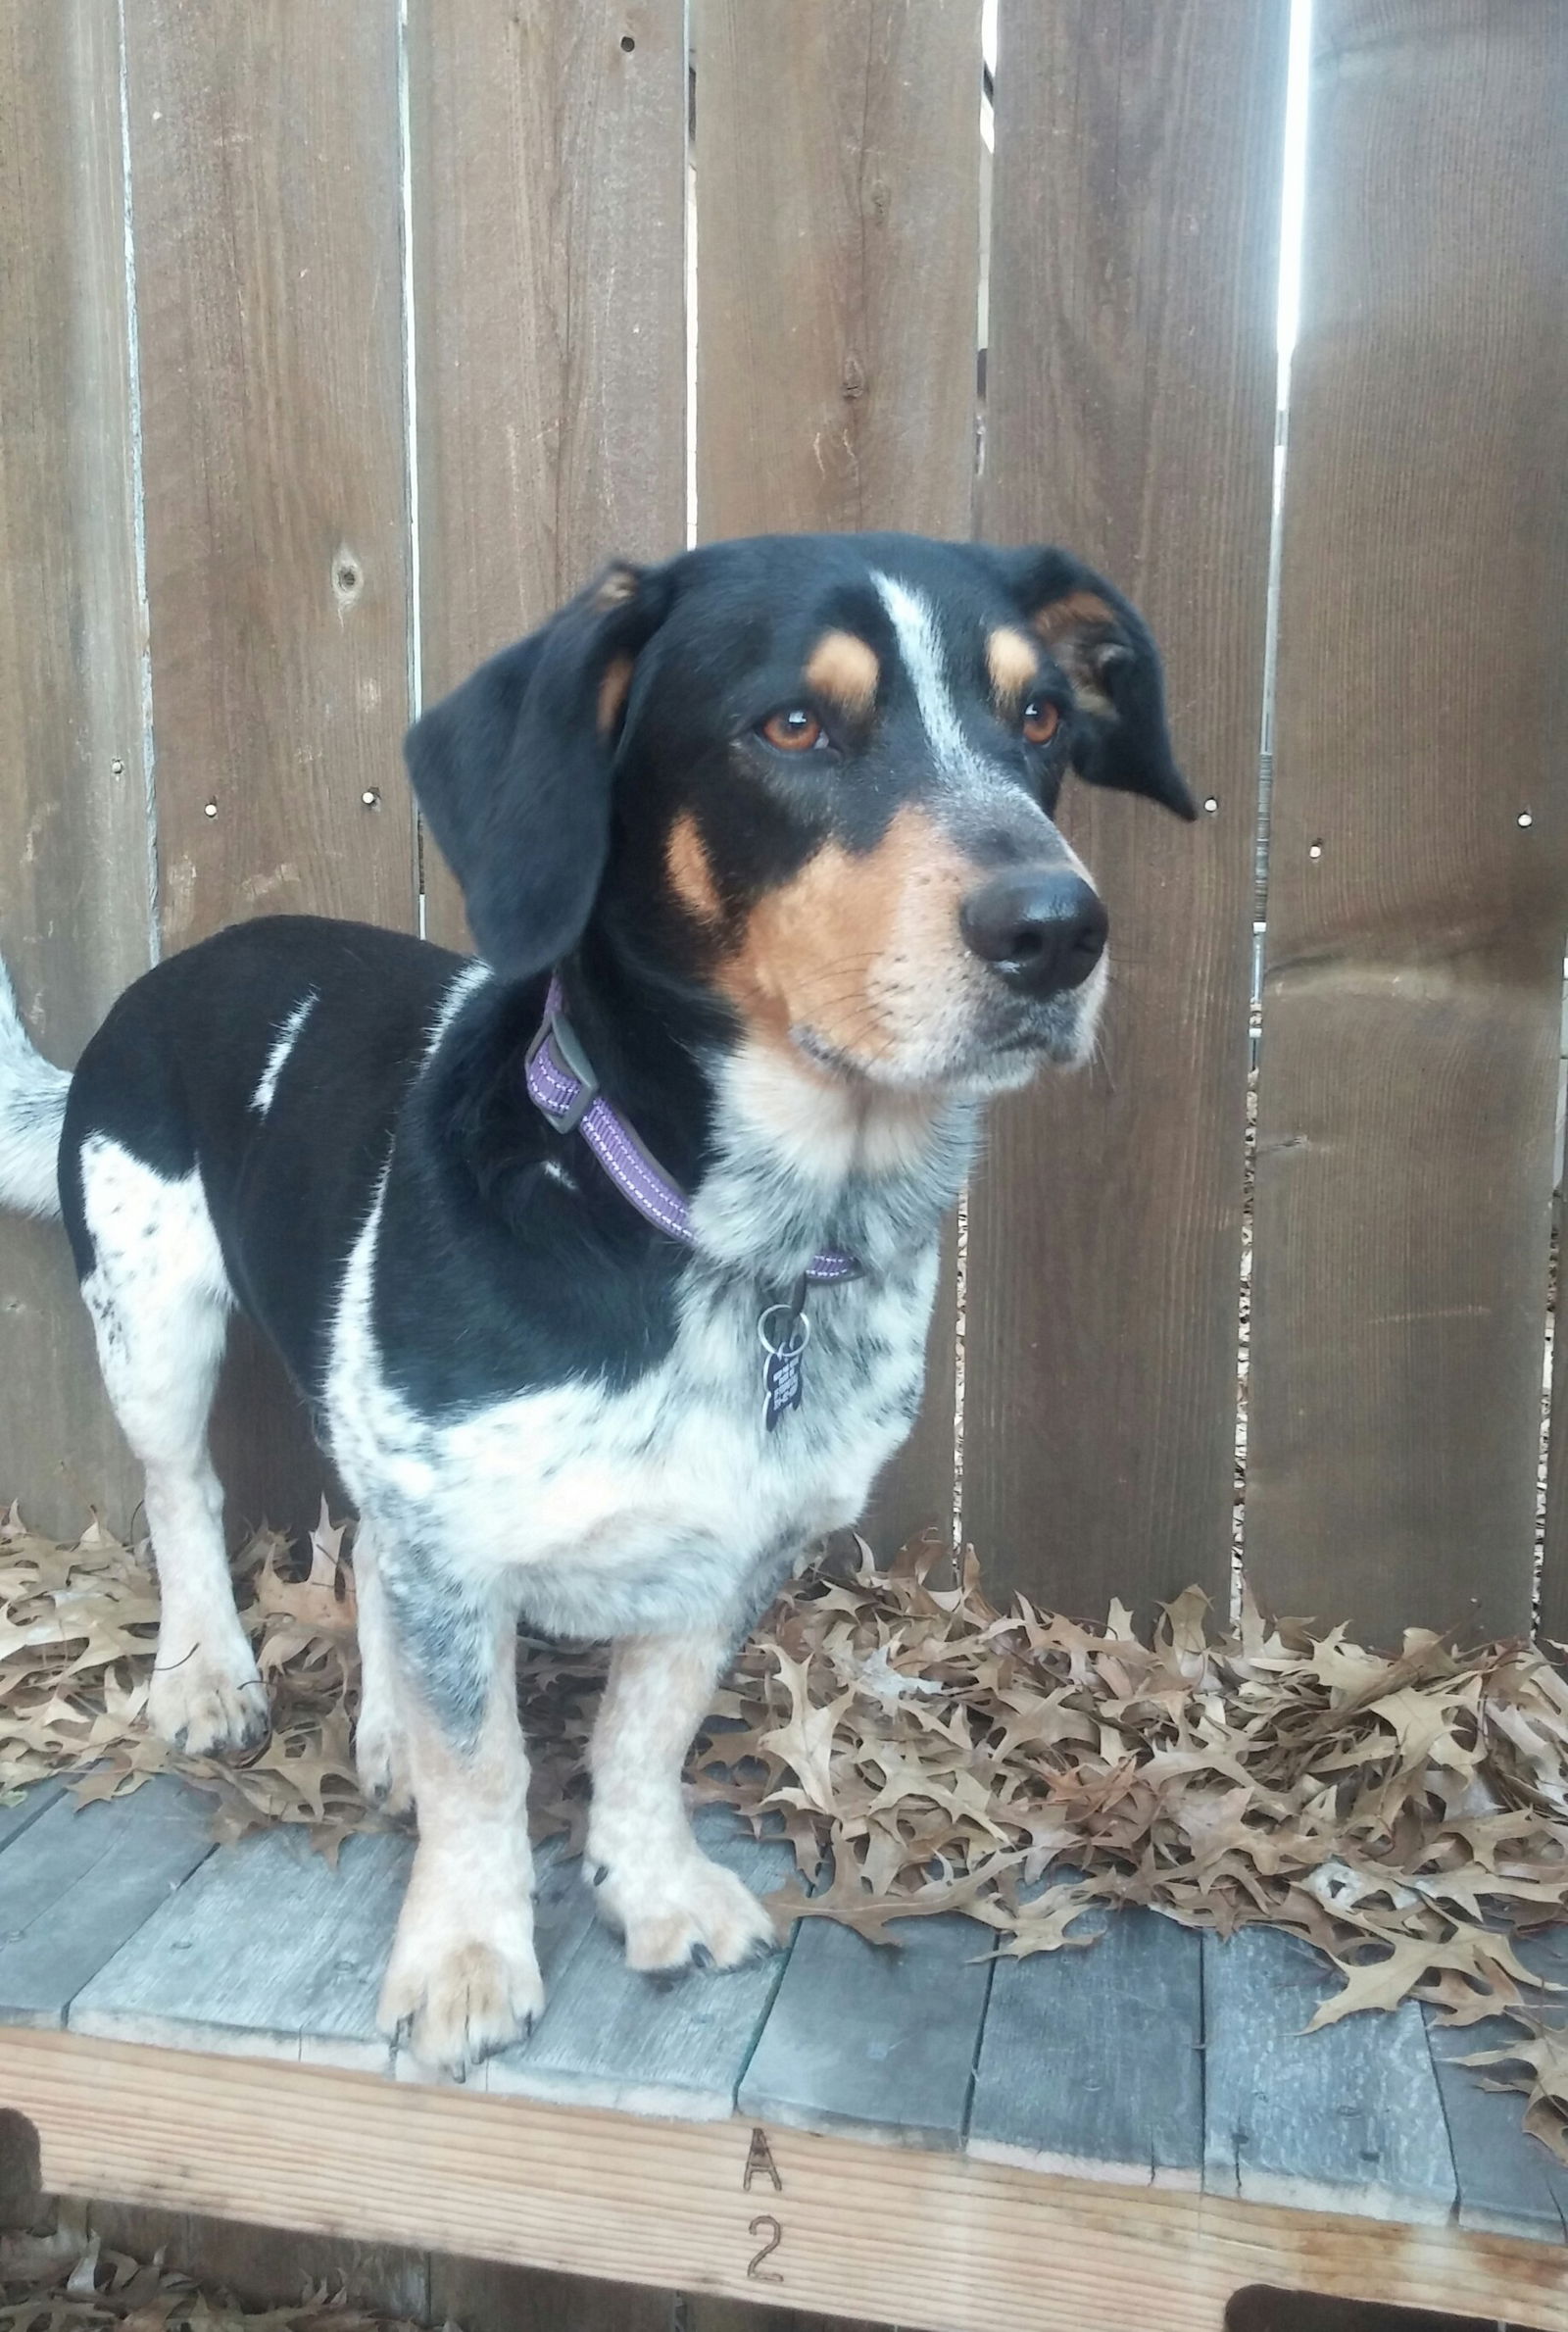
column 1109, row 655
column 512, row 770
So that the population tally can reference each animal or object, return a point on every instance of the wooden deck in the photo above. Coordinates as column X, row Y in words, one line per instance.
column 1095, row 2141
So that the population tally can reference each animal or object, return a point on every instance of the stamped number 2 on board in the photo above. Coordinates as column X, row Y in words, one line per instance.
column 766, row 2231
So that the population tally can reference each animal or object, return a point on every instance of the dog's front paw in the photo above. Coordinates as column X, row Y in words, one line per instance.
column 454, row 1999
column 689, row 1912
column 209, row 1703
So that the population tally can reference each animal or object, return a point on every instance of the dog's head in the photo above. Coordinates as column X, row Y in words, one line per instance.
column 813, row 776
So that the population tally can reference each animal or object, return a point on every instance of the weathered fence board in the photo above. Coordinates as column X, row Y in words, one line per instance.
column 1131, row 392
column 548, row 154
column 531, row 199
column 837, row 242
column 838, row 153
column 266, row 214
column 75, row 867
column 1416, row 923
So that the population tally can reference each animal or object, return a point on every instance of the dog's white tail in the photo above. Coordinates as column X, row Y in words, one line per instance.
column 33, row 1108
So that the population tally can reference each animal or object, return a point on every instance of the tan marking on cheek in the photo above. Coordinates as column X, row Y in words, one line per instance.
column 691, row 874
column 612, row 693
column 844, row 668
column 857, row 943
column 1012, row 660
column 803, row 924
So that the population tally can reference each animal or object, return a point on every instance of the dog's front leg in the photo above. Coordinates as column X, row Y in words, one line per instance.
column 462, row 1980
column 674, row 1907
column 380, row 1731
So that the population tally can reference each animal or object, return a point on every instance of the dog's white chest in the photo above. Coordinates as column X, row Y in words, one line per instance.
column 660, row 1506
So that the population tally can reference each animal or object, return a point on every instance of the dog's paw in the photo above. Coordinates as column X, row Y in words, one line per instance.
column 455, row 2001
column 687, row 1913
column 209, row 1703
column 381, row 1763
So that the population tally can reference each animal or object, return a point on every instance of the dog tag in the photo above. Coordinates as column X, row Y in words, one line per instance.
column 785, row 1332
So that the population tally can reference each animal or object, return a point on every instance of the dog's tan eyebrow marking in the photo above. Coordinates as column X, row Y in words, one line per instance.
column 612, row 693
column 1012, row 659
column 691, row 876
column 1067, row 613
column 1063, row 625
column 845, row 669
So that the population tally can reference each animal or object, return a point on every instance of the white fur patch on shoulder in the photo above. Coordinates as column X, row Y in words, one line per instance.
column 468, row 981
column 283, row 1045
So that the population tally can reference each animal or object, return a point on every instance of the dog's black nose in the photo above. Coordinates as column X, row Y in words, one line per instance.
column 1041, row 927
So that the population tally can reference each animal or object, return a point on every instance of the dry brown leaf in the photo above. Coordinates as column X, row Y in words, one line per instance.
column 1407, row 1815
column 52, row 2284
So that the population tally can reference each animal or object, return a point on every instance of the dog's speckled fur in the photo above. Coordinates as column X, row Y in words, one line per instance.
column 748, row 802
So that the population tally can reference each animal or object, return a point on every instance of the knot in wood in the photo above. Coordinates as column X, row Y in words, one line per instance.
column 348, row 579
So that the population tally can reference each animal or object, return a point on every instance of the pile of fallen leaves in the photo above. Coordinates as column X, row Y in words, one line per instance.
column 61, row 2283
column 78, row 1629
column 924, row 1753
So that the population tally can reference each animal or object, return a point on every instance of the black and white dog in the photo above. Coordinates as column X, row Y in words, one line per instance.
column 605, row 1261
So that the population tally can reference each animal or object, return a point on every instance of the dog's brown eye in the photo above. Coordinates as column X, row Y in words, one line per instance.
column 1041, row 720
column 794, row 731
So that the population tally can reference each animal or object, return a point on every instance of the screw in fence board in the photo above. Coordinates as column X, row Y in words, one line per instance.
column 73, row 844
column 1131, row 399
column 265, row 185
column 1413, row 968
column 548, row 154
column 837, row 250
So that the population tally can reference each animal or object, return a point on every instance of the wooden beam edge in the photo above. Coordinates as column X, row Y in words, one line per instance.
column 806, row 2222
column 1143, row 2174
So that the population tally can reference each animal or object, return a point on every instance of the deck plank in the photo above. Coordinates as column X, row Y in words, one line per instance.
column 268, row 1951
column 1509, row 2184
column 640, row 2044
column 35, row 1799
column 81, row 1879
column 872, row 2040
column 1090, row 2061
column 1346, row 2119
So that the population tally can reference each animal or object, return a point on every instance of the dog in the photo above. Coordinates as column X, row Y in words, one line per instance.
column 605, row 1260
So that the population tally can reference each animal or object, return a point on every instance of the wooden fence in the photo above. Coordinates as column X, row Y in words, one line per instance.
column 340, row 342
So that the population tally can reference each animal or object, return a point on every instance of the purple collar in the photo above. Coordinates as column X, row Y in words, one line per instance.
column 563, row 1087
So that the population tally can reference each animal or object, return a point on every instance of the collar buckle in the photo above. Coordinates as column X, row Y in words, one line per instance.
column 560, row 1083
column 547, row 1076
